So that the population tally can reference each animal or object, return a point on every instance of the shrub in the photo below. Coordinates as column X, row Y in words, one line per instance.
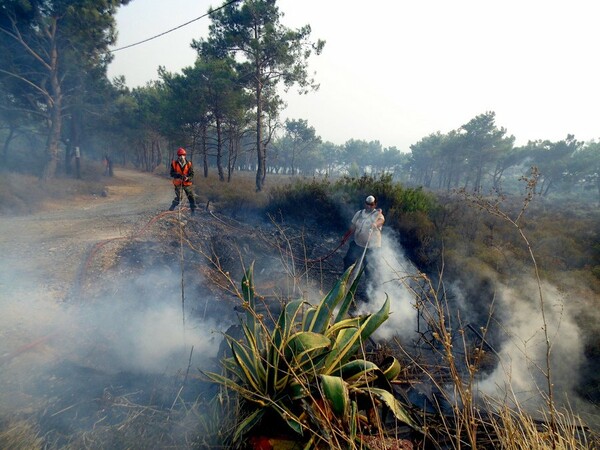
column 309, row 371
column 306, row 202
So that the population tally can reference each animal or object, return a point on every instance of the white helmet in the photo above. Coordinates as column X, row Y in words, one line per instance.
column 370, row 200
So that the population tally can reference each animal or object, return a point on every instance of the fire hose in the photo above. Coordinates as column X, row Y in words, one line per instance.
column 359, row 264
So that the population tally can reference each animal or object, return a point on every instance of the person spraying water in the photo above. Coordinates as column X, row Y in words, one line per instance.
column 365, row 228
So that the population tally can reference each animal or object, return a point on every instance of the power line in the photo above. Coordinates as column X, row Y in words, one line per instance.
column 173, row 29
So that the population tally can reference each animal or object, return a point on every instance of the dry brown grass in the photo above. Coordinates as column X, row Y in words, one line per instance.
column 20, row 435
column 239, row 194
column 26, row 194
column 515, row 430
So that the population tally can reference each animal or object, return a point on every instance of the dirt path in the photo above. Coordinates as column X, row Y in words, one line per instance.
column 42, row 253
column 42, row 256
column 63, row 348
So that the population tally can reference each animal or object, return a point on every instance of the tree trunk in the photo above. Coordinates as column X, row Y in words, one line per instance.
column 293, row 161
column 219, row 151
column 204, row 152
column 260, row 166
column 159, row 155
column 7, row 141
column 55, row 107
column 52, row 145
column 260, row 150
column 233, row 152
column 74, row 127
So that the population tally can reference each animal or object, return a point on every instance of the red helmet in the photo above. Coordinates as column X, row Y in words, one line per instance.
column 181, row 151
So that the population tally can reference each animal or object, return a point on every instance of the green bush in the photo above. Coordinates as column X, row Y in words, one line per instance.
column 389, row 194
column 306, row 202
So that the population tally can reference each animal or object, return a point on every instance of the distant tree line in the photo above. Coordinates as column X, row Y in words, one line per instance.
column 480, row 156
column 225, row 109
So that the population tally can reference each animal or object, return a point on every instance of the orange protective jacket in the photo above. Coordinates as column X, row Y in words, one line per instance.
column 182, row 174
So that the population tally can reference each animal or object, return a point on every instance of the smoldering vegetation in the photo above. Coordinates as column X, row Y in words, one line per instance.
column 513, row 325
column 115, row 364
column 463, row 257
column 119, row 363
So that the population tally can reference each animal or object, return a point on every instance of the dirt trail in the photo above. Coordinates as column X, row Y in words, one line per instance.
column 68, row 331
column 42, row 256
column 43, row 252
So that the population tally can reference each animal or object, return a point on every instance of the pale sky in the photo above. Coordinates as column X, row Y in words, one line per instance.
column 398, row 70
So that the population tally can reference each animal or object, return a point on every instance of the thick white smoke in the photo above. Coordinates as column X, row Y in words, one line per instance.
column 389, row 272
column 150, row 339
column 521, row 367
column 520, row 374
column 138, row 330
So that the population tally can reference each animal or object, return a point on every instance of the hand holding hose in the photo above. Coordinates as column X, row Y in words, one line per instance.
column 347, row 236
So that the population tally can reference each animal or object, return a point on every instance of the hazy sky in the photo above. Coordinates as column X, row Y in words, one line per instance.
column 396, row 70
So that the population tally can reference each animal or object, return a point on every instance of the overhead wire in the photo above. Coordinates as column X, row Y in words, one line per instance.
column 173, row 29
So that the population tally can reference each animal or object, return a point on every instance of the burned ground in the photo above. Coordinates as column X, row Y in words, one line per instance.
column 113, row 305
column 116, row 305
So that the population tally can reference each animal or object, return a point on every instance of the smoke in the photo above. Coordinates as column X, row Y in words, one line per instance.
column 138, row 331
column 517, row 327
column 390, row 273
column 521, row 371
column 142, row 328
column 148, row 338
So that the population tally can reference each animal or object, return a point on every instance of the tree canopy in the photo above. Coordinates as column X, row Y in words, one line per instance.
column 225, row 108
column 268, row 53
column 49, row 47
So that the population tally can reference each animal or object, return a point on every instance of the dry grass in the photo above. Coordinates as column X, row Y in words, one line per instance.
column 240, row 194
column 515, row 430
column 26, row 194
column 20, row 435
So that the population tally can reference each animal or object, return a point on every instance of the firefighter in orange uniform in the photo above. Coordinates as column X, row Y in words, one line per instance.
column 182, row 173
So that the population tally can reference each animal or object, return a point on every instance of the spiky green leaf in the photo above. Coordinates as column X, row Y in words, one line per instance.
column 333, row 330
column 249, row 296
column 324, row 312
column 349, row 298
column 335, row 391
column 241, row 389
column 283, row 328
column 394, row 405
column 250, row 366
column 309, row 314
column 246, row 425
column 304, row 344
column 358, row 369
column 298, row 390
column 391, row 367
column 285, row 322
column 349, row 340
column 340, row 353
column 248, row 286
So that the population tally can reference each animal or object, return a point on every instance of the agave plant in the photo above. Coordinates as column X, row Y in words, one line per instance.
column 309, row 370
